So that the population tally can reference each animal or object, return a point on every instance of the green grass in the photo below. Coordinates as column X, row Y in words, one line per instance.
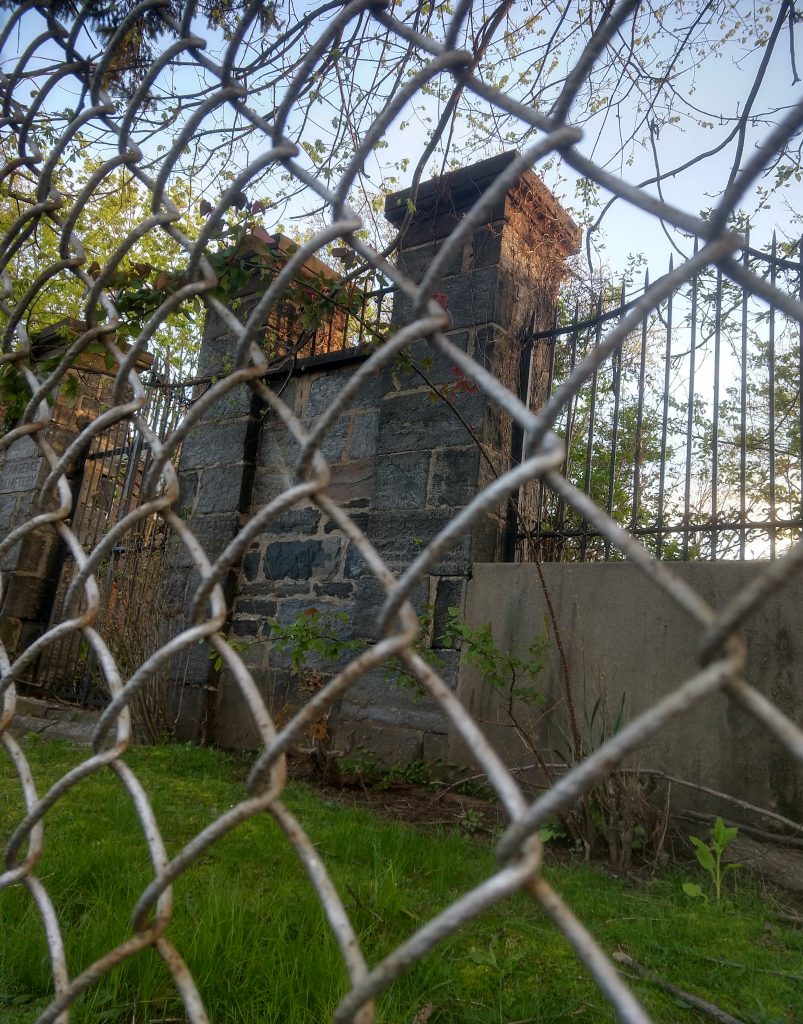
column 255, row 938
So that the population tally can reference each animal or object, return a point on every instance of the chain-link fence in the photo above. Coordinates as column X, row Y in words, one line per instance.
column 50, row 62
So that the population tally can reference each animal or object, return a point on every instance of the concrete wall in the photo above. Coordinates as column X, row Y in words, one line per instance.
column 623, row 636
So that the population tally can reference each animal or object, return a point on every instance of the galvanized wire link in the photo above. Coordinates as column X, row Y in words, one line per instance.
column 60, row 56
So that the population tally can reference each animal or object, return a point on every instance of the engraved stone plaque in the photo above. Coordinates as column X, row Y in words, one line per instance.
column 19, row 475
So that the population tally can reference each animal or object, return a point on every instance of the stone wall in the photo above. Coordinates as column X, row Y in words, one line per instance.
column 403, row 460
column 31, row 564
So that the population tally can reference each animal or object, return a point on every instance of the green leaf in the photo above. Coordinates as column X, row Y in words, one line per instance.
column 704, row 855
column 723, row 836
column 693, row 890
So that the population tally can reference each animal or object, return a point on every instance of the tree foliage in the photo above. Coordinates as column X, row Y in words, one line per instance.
column 651, row 107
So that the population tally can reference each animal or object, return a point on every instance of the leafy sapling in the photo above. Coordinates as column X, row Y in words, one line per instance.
column 709, row 857
column 512, row 677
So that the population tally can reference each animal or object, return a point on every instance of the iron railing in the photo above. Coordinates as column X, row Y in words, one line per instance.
column 351, row 319
column 109, row 487
column 690, row 435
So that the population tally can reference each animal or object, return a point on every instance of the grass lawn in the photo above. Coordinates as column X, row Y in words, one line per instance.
column 254, row 936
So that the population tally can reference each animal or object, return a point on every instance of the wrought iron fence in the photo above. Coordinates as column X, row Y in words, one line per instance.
column 322, row 312
column 362, row 318
column 109, row 487
column 689, row 436
column 60, row 52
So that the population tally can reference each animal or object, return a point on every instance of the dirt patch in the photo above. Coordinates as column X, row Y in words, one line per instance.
column 425, row 804
column 430, row 806
column 441, row 806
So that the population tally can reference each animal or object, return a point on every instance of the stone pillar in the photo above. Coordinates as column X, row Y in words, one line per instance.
column 498, row 290
column 31, row 567
column 216, row 477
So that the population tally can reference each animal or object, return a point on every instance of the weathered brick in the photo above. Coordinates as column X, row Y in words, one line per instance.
column 8, row 504
column 482, row 296
column 352, row 482
column 400, row 535
column 188, row 488
column 11, row 630
column 251, row 563
column 333, row 442
column 27, row 596
column 288, row 392
column 487, row 245
column 172, row 593
column 438, row 368
column 360, row 520
column 278, row 450
column 369, row 597
column 291, row 609
column 354, row 566
column 415, row 261
column 9, row 559
column 340, row 589
column 259, row 607
column 450, row 668
column 303, row 521
column 36, row 552
column 219, row 489
column 23, row 448
column 364, row 426
column 214, row 444
column 325, row 388
column 245, row 627
column 267, row 486
column 212, row 531
column 231, row 405
column 438, row 221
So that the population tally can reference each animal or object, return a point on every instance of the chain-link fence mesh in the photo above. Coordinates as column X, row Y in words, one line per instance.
column 56, row 56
